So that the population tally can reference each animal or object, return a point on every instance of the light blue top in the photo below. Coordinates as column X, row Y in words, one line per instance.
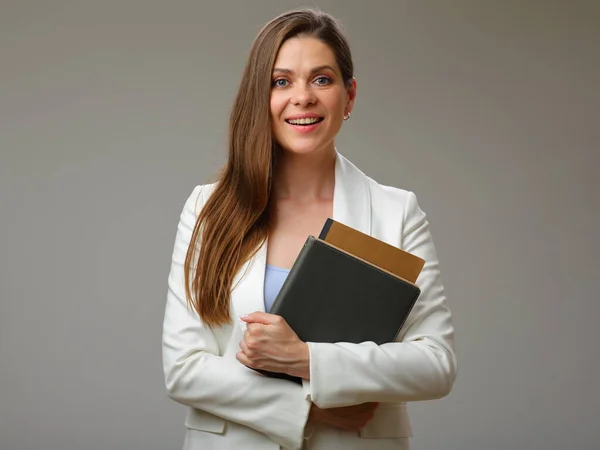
column 274, row 278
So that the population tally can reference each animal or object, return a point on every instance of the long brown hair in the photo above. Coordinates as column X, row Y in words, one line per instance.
column 234, row 222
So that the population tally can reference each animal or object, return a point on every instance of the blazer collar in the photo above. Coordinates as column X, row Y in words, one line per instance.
column 351, row 206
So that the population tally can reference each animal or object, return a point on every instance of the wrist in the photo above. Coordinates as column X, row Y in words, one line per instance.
column 314, row 413
column 301, row 365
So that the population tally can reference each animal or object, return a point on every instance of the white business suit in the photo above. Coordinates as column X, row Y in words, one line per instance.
column 231, row 406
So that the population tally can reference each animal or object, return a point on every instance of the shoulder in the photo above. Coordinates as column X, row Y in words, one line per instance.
column 392, row 200
column 383, row 197
column 393, row 209
column 396, row 216
column 197, row 198
column 387, row 194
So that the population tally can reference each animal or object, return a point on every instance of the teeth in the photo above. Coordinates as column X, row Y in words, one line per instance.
column 305, row 121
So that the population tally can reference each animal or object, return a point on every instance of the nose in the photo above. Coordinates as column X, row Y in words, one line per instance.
column 303, row 95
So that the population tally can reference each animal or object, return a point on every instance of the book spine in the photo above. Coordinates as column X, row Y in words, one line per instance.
column 325, row 229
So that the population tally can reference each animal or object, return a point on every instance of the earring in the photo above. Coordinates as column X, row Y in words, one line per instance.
column 347, row 116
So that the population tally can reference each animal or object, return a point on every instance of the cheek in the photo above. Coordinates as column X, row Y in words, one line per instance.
column 277, row 105
column 336, row 105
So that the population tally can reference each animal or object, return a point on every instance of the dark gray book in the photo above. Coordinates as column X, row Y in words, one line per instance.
column 332, row 296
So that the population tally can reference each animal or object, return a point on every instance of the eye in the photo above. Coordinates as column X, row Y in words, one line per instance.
column 323, row 81
column 280, row 82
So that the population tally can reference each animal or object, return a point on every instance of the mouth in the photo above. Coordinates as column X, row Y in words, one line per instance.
column 305, row 121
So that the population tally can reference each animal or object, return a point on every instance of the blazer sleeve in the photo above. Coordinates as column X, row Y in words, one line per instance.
column 196, row 376
column 420, row 365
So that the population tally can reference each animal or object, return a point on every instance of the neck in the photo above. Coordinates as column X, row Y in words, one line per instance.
column 304, row 178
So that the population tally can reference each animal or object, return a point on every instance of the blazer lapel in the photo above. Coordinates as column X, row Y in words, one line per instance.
column 249, row 284
column 351, row 206
column 351, row 196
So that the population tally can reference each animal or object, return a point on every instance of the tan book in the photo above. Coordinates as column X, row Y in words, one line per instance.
column 379, row 253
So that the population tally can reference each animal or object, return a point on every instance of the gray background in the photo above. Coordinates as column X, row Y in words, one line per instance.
column 112, row 111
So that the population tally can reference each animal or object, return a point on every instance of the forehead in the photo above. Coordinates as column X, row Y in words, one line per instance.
column 303, row 53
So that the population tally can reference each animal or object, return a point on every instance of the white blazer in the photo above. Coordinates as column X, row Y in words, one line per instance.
column 231, row 406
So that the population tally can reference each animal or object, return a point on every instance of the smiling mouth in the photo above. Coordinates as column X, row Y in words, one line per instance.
column 306, row 121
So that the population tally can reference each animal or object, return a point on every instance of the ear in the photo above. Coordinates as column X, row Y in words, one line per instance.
column 351, row 91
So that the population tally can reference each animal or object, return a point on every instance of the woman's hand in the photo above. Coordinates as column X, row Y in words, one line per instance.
column 270, row 344
column 349, row 418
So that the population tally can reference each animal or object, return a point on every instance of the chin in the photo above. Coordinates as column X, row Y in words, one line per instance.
column 298, row 149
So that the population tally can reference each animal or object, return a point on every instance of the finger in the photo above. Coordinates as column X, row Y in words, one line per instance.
column 242, row 358
column 259, row 317
column 244, row 347
column 254, row 328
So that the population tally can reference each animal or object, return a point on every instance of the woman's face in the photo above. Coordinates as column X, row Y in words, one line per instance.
column 308, row 96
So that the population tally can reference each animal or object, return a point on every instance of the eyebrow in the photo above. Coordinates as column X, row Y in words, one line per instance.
column 313, row 70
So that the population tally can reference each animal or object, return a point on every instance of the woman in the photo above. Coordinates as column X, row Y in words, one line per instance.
column 283, row 178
